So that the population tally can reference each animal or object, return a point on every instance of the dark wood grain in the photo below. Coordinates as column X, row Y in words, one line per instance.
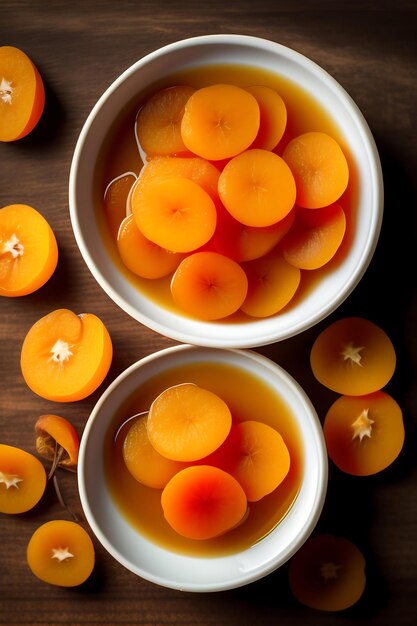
column 80, row 48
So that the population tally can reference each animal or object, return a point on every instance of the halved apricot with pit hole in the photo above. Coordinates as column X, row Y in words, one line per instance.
column 22, row 480
column 327, row 573
column 65, row 356
column 353, row 356
column 364, row 434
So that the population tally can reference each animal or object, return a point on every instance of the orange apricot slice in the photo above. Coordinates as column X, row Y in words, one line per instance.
column 220, row 121
column 57, row 441
column 256, row 455
column 327, row 573
column 65, row 356
column 202, row 502
column 200, row 171
column 141, row 256
column 22, row 480
column 353, row 356
column 175, row 213
column 145, row 464
column 315, row 237
column 115, row 200
column 186, row 422
column 364, row 434
column 319, row 167
column 272, row 283
column 209, row 286
column 22, row 94
column 28, row 250
column 257, row 188
column 61, row 553
column 158, row 124
column 273, row 117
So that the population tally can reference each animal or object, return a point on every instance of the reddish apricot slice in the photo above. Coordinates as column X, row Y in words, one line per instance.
column 315, row 237
column 256, row 455
column 272, row 282
column 186, row 422
column 28, row 250
column 175, row 213
column 202, row 502
column 364, row 434
column 319, row 167
column 327, row 573
column 22, row 94
column 353, row 356
column 145, row 464
column 257, row 188
column 57, row 440
column 65, row 356
column 273, row 117
column 141, row 256
column 115, row 200
column 158, row 124
column 22, row 480
column 61, row 553
column 209, row 286
column 220, row 121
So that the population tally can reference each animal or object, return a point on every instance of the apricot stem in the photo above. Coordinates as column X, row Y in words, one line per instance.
column 352, row 353
column 362, row 426
column 57, row 457
column 60, row 352
column 10, row 480
column 62, row 501
column 6, row 91
column 329, row 571
column 13, row 246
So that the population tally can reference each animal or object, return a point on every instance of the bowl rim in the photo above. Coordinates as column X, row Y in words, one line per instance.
column 246, row 577
column 264, row 336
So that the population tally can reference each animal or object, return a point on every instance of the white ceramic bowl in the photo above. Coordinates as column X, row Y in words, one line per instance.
column 190, row 573
column 330, row 291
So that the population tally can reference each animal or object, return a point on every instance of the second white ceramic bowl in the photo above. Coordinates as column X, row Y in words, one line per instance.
column 190, row 573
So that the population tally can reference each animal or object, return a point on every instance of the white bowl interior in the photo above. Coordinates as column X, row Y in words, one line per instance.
column 190, row 573
column 330, row 291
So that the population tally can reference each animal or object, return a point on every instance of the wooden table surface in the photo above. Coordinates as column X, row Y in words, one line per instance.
column 80, row 48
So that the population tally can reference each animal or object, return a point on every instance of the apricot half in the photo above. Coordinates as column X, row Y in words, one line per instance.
column 143, row 461
column 28, row 250
column 319, row 167
column 353, row 356
column 327, row 573
column 256, row 455
column 22, row 480
column 186, row 422
column 22, row 94
column 65, row 356
column 209, row 285
column 61, row 553
column 364, row 434
column 220, row 121
column 202, row 502
column 257, row 188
